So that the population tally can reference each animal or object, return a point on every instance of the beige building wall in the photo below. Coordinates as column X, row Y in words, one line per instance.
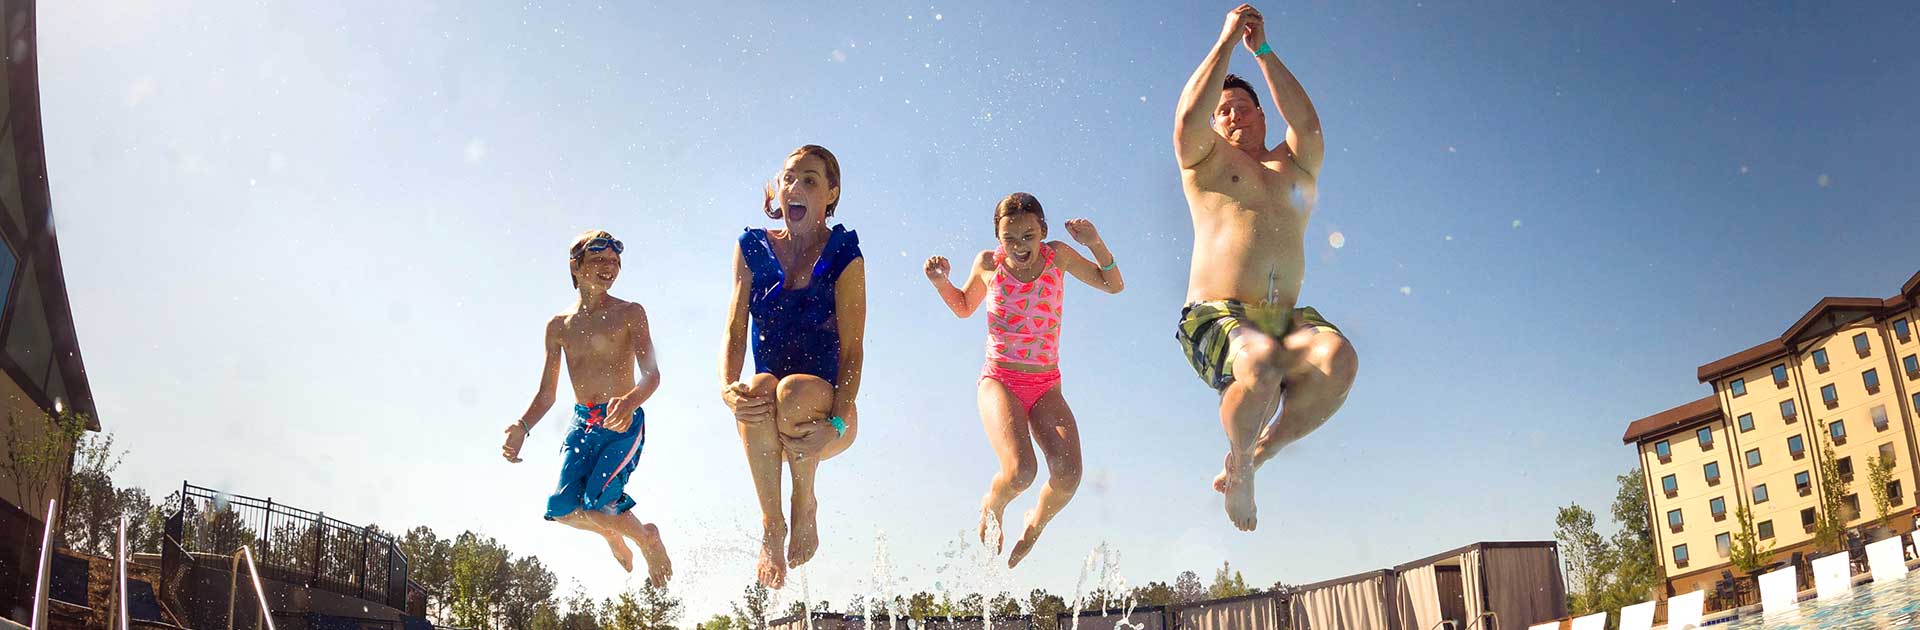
column 31, row 426
column 1855, row 409
column 1769, row 437
column 1693, row 497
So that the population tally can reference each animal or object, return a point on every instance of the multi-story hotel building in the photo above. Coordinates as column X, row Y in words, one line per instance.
column 1846, row 375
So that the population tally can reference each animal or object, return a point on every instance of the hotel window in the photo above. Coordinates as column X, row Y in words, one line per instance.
column 1916, row 402
column 1886, row 452
column 1718, row 508
column 1786, row 410
column 1760, row 493
column 1838, row 430
column 1912, row 364
column 1830, row 395
column 1901, row 330
column 1713, row 472
column 1679, row 555
column 1860, row 344
column 1820, row 361
column 1705, row 437
column 1746, row 422
column 1850, row 505
column 1879, row 414
column 1663, row 450
column 1766, row 530
column 1871, row 378
column 1893, row 493
column 1796, row 447
column 1739, row 387
column 1845, row 465
column 1780, row 375
column 1674, row 521
column 1671, row 485
column 1753, row 458
column 1723, row 544
column 1803, row 483
column 1806, row 519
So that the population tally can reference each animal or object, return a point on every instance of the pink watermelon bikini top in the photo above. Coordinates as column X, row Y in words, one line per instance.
column 1023, row 318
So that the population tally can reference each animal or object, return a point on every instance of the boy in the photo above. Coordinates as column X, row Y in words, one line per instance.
column 602, row 339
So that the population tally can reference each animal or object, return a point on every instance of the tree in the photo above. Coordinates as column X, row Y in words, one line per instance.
column 720, row 622
column 479, row 580
column 430, row 563
column 1746, row 552
column 1636, row 566
column 529, row 587
column 1589, row 558
column 1830, row 527
column 659, row 609
column 1227, row 583
column 1153, row 594
column 1187, row 588
column 581, row 613
column 39, row 449
column 1879, row 475
column 1045, row 608
column 752, row 610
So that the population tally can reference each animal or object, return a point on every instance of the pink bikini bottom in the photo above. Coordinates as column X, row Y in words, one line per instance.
column 1026, row 387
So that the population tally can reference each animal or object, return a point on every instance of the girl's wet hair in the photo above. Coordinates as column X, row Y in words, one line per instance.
column 578, row 251
column 832, row 173
column 1018, row 204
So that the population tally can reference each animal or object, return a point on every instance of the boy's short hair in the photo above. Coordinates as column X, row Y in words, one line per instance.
column 1235, row 82
column 578, row 251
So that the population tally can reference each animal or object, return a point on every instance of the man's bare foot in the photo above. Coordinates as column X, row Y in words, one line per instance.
column 659, row 566
column 1240, row 507
column 991, row 534
column 1259, row 451
column 620, row 551
column 773, row 556
column 1025, row 544
column 806, row 531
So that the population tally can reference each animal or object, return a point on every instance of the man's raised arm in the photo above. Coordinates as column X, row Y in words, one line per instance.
column 1303, row 123
column 1193, row 135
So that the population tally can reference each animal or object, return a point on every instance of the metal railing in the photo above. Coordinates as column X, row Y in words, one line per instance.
column 296, row 545
column 42, row 580
column 259, row 593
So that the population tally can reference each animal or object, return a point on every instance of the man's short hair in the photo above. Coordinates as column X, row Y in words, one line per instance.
column 1234, row 81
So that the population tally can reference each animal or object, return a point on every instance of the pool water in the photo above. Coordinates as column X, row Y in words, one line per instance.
column 1891, row 605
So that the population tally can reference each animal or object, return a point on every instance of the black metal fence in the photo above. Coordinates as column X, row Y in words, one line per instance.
column 296, row 546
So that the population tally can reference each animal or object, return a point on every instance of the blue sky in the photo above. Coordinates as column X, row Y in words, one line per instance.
column 310, row 247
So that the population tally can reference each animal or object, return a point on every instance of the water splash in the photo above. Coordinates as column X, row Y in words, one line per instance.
column 1103, row 563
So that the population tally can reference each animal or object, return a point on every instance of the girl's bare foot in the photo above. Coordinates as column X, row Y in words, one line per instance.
column 773, row 556
column 659, row 566
column 806, row 531
column 620, row 551
column 990, row 533
column 1025, row 544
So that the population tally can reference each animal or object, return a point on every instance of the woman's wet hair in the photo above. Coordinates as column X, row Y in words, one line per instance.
column 832, row 173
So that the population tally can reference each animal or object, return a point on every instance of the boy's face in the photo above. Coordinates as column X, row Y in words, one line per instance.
column 597, row 270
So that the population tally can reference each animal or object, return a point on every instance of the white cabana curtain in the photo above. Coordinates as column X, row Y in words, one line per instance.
column 1357, row 605
column 1470, row 585
column 1247, row 614
column 1524, row 585
column 1420, row 598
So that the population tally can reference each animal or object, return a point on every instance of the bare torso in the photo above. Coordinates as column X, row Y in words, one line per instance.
column 1249, row 226
column 600, row 349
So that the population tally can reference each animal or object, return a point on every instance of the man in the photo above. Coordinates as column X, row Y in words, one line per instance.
column 1250, row 203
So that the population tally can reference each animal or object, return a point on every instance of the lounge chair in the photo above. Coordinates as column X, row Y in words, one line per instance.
column 1885, row 558
column 1831, row 577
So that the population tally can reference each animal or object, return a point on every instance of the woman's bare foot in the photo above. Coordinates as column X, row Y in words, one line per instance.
column 991, row 534
column 659, row 566
column 773, row 556
column 1239, row 489
column 620, row 551
column 806, row 531
column 1025, row 544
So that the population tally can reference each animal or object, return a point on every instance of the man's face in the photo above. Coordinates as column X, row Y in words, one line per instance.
column 1240, row 121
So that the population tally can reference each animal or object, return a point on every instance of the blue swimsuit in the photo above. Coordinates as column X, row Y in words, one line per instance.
column 595, row 467
column 794, row 330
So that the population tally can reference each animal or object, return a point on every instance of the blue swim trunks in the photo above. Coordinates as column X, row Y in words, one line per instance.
column 596, row 464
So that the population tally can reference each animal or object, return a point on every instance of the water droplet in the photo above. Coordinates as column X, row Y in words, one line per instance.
column 937, row 17
column 1337, row 240
column 1516, row 224
column 1405, row 290
column 1824, row 181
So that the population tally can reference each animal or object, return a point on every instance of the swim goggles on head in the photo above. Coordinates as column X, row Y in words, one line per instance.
column 601, row 243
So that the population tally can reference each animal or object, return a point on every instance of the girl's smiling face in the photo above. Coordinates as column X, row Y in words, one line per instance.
column 1022, row 234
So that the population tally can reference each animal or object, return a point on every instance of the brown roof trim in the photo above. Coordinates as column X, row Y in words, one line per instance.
column 1743, row 359
column 1484, row 545
column 1912, row 287
column 1704, row 409
column 1357, row 577
column 1830, row 304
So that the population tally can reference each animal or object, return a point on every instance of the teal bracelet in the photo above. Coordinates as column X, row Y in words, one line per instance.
column 1111, row 265
column 839, row 426
column 1262, row 50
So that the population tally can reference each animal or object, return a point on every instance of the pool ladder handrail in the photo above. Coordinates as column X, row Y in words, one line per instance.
column 260, row 594
column 1445, row 622
column 43, row 578
column 1483, row 617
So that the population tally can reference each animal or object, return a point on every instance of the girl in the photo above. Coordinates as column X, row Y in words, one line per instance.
column 1019, row 389
column 804, row 288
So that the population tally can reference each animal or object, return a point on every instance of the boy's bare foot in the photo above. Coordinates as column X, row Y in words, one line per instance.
column 620, row 551
column 1025, row 544
column 991, row 534
column 773, row 556
column 1239, row 482
column 659, row 566
column 806, row 531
